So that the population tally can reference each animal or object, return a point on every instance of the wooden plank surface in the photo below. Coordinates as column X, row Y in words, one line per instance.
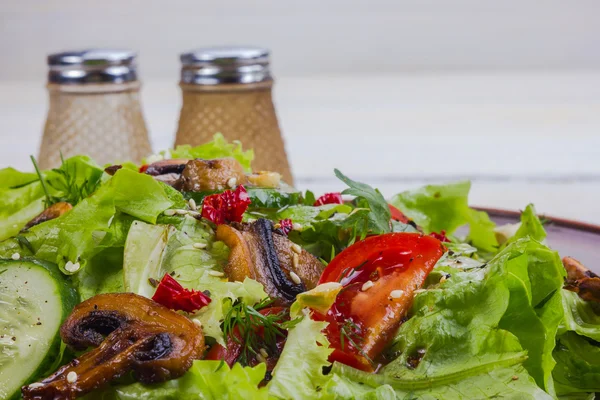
column 521, row 137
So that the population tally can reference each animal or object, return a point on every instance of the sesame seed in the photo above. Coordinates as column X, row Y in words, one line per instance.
column 295, row 260
column 181, row 212
column 192, row 204
column 515, row 378
column 197, row 322
column 263, row 352
column 200, row 245
column 394, row 294
column 277, row 226
column 72, row 377
column 72, row 267
column 169, row 213
column 194, row 214
column 296, row 226
column 260, row 358
column 443, row 279
column 295, row 278
column 232, row 182
column 367, row 285
column 36, row 385
column 215, row 273
column 16, row 256
column 296, row 248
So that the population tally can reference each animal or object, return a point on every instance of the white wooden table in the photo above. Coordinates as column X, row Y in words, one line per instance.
column 520, row 137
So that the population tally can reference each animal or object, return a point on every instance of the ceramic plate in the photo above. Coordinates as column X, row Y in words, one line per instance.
column 570, row 238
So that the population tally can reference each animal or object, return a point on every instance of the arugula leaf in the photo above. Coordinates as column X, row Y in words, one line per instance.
column 379, row 217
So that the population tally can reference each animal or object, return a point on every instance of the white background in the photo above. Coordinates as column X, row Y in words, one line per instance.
column 397, row 93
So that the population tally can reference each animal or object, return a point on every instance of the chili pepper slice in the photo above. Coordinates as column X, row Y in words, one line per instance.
column 379, row 275
column 172, row 295
column 228, row 206
column 143, row 168
column 329, row 198
column 286, row 225
column 440, row 236
column 398, row 215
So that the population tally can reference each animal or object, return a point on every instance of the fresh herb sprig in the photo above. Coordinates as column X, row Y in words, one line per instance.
column 246, row 326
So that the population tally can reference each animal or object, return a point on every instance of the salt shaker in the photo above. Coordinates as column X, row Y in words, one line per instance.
column 228, row 90
column 94, row 108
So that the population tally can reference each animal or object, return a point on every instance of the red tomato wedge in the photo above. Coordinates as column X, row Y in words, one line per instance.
column 398, row 215
column 379, row 275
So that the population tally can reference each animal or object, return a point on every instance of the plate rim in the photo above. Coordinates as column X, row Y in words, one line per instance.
column 563, row 222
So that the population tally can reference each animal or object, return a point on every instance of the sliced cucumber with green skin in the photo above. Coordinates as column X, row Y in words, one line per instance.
column 35, row 298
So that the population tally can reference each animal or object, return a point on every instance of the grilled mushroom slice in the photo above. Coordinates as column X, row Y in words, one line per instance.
column 163, row 167
column 256, row 251
column 202, row 175
column 129, row 333
column 581, row 280
column 52, row 212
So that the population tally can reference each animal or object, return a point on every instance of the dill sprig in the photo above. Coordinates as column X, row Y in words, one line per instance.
column 246, row 326
column 48, row 202
column 351, row 332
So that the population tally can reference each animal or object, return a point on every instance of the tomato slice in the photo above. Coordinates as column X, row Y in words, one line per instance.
column 232, row 352
column 398, row 215
column 379, row 275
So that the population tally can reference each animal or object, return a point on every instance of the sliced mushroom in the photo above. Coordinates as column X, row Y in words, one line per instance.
column 129, row 333
column 52, row 212
column 581, row 280
column 163, row 167
column 202, row 175
column 283, row 268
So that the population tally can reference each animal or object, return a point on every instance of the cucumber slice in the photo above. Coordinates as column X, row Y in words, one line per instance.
column 34, row 300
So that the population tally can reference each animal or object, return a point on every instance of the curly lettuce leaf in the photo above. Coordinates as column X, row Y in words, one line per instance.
column 531, row 226
column 484, row 315
column 205, row 380
column 577, row 364
column 12, row 178
column 299, row 371
column 18, row 206
column 219, row 147
column 581, row 317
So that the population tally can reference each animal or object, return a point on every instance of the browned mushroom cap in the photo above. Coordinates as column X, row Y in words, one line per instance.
column 581, row 280
column 201, row 175
column 162, row 167
column 284, row 269
column 130, row 333
column 52, row 212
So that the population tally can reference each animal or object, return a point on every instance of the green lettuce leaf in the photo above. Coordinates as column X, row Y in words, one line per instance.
column 577, row 364
column 11, row 178
column 80, row 234
column 217, row 148
column 299, row 371
column 482, row 317
column 581, row 317
column 73, row 181
column 506, row 382
column 437, row 208
column 18, row 206
column 205, row 380
column 531, row 226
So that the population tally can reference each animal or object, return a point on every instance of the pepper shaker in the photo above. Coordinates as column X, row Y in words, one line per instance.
column 228, row 90
column 94, row 108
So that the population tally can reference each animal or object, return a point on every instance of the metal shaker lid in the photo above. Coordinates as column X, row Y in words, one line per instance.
column 92, row 66
column 223, row 65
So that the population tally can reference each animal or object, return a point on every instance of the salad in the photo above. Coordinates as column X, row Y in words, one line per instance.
column 191, row 276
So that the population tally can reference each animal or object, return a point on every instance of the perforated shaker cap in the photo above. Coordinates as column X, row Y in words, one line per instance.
column 225, row 65
column 92, row 66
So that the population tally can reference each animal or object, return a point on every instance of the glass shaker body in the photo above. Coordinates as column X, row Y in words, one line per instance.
column 94, row 109
column 229, row 91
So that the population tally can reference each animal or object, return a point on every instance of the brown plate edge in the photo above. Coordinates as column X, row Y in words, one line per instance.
column 567, row 223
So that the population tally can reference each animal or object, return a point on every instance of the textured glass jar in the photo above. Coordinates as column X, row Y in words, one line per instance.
column 94, row 108
column 228, row 90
